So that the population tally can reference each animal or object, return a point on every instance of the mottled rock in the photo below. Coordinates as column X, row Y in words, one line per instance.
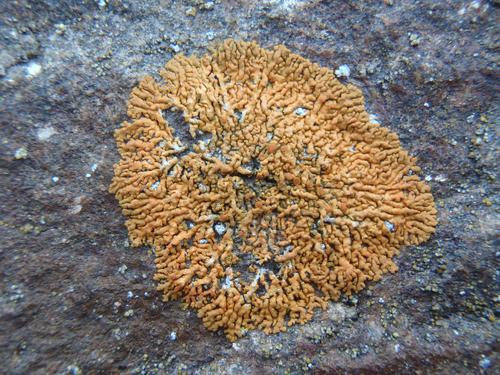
column 60, row 280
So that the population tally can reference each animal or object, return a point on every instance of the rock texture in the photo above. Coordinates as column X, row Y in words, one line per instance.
column 75, row 298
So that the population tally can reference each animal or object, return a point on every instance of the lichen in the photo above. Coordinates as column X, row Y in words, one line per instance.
column 296, row 198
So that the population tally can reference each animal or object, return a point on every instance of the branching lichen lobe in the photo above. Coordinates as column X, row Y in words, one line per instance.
column 295, row 198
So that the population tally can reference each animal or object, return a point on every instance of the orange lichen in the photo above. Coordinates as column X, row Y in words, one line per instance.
column 295, row 199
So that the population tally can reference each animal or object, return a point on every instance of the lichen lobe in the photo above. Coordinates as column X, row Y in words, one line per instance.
column 293, row 199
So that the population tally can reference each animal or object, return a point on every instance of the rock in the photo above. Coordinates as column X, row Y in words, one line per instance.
column 65, row 75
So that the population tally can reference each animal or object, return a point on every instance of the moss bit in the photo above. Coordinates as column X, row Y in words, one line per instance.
column 487, row 202
column 282, row 225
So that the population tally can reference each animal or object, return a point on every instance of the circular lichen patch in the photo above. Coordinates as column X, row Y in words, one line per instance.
column 263, row 186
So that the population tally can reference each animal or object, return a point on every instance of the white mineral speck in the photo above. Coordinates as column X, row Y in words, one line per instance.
column 155, row 185
column 21, row 153
column 258, row 275
column 44, row 134
column 175, row 47
column 129, row 313
column 210, row 35
column 76, row 209
column 390, row 226
column 300, row 111
column 220, row 228
column 227, row 283
column 203, row 241
column 471, row 118
column 33, row 69
column 88, row 175
column 73, row 370
column 209, row 5
column 428, row 178
column 374, row 119
column 60, row 28
column 343, row 71
column 485, row 363
column 122, row 269
column 173, row 336
column 93, row 167
column 130, row 294
column 55, row 178
column 329, row 220
column 414, row 39
column 191, row 11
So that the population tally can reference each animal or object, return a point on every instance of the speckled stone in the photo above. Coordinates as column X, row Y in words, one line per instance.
column 75, row 298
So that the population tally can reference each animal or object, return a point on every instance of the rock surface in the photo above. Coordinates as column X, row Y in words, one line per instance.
column 75, row 298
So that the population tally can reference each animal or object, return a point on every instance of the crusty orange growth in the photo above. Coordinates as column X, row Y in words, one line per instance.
column 285, row 197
